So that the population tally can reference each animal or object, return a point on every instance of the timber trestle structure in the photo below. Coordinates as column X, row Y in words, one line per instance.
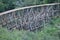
column 29, row 18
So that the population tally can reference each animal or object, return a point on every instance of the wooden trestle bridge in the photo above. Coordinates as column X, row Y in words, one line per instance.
column 29, row 18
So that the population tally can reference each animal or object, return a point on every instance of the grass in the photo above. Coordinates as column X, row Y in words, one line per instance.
column 49, row 32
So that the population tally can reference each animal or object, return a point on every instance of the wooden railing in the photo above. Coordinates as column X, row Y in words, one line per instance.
column 29, row 18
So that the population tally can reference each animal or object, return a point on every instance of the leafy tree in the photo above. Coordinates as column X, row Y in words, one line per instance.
column 51, row 1
column 6, row 5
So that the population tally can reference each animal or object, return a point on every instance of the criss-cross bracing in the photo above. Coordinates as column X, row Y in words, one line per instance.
column 29, row 18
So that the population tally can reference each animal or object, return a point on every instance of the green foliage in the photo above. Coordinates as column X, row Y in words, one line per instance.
column 28, row 2
column 49, row 32
column 6, row 5
column 2, row 6
column 49, row 1
column 32, row 2
column 11, row 4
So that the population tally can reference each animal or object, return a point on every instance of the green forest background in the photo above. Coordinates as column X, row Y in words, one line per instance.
column 11, row 4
